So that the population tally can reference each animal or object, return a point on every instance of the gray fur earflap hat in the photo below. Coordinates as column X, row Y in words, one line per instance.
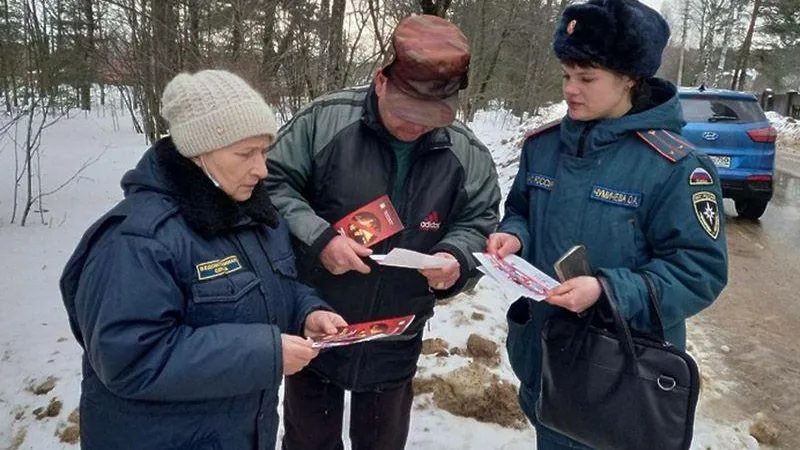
column 212, row 109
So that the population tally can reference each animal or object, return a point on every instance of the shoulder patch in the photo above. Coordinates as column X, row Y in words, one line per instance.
column 671, row 146
column 700, row 177
column 706, row 208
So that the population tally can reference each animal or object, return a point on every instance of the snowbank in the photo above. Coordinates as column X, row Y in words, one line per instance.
column 788, row 128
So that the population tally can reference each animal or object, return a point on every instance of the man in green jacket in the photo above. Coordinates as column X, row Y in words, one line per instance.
column 396, row 137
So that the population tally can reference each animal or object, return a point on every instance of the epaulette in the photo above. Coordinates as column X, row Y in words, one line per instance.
column 546, row 127
column 540, row 130
column 668, row 144
column 143, row 217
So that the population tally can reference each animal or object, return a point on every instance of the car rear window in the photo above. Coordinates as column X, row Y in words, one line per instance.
column 715, row 109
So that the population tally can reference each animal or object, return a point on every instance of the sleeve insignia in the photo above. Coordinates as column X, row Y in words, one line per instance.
column 706, row 209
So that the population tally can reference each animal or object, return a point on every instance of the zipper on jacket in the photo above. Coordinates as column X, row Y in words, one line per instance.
column 356, row 368
column 418, row 154
column 584, row 135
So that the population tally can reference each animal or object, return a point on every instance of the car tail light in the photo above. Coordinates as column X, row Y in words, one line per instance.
column 765, row 135
column 759, row 178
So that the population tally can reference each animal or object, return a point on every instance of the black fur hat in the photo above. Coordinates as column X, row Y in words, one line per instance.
column 622, row 35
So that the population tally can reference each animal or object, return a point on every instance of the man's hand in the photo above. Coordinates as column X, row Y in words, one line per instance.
column 342, row 255
column 576, row 294
column 503, row 244
column 443, row 278
column 320, row 323
column 297, row 353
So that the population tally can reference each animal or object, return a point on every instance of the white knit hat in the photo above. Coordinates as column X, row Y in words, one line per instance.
column 212, row 109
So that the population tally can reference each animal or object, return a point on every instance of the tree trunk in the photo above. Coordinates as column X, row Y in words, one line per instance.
column 336, row 57
column 103, row 55
column 324, row 29
column 684, row 30
column 741, row 71
column 374, row 6
column 435, row 7
column 164, row 51
column 236, row 31
column 708, row 24
column 733, row 17
column 268, row 54
column 194, row 59
column 5, row 58
column 88, row 56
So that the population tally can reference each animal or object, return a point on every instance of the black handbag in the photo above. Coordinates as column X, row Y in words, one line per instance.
column 607, row 388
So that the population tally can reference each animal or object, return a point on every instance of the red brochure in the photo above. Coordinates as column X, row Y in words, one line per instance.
column 372, row 223
column 365, row 331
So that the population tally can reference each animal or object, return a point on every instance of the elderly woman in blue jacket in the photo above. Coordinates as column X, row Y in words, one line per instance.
column 184, row 296
column 616, row 176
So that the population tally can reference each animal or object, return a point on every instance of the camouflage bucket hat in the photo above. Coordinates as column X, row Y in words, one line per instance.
column 429, row 64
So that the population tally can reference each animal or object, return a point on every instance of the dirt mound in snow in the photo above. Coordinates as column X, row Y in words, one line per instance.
column 483, row 350
column 473, row 391
column 42, row 388
column 435, row 346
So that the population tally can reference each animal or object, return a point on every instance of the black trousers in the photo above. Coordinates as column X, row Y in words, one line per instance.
column 313, row 410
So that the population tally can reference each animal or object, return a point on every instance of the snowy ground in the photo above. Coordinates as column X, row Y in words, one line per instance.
column 35, row 342
column 787, row 127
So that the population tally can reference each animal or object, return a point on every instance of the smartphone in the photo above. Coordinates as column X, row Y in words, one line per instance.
column 573, row 263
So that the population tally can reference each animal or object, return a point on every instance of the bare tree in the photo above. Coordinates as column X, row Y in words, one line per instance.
column 684, row 34
column 734, row 13
column 740, row 74
column 88, row 55
column 435, row 7
column 336, row 63
column 194, row 10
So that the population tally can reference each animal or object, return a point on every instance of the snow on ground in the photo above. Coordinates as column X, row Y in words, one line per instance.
column 788, row 128
column 35, row 341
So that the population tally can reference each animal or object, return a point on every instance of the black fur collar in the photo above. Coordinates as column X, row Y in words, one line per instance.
column 206, row 208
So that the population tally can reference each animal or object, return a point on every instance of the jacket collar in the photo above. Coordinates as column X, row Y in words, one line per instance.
column 438, row 138
column 206, row 208
column 661, row 111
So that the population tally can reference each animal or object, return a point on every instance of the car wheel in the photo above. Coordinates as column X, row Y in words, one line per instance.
column 750, row 209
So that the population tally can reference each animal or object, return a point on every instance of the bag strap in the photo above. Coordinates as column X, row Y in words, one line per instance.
column 621, row 328
column 578, row 338
column 655, row 308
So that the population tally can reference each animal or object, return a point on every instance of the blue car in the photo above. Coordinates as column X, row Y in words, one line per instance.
column 732, row 129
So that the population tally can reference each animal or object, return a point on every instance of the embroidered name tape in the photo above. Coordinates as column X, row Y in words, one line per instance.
column 615, row 197
column 218, row 267
column 541, row 181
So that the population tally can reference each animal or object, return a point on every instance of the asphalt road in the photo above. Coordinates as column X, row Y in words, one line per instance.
column 753, row 328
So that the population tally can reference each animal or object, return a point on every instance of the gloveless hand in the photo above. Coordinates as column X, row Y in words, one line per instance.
column 297, row 353
column 503, row 244
column 343, row 254
column 443, row 278
column 576, row 294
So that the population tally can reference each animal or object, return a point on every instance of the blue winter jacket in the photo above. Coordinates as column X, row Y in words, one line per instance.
column 178, row 297
column 647, row 207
